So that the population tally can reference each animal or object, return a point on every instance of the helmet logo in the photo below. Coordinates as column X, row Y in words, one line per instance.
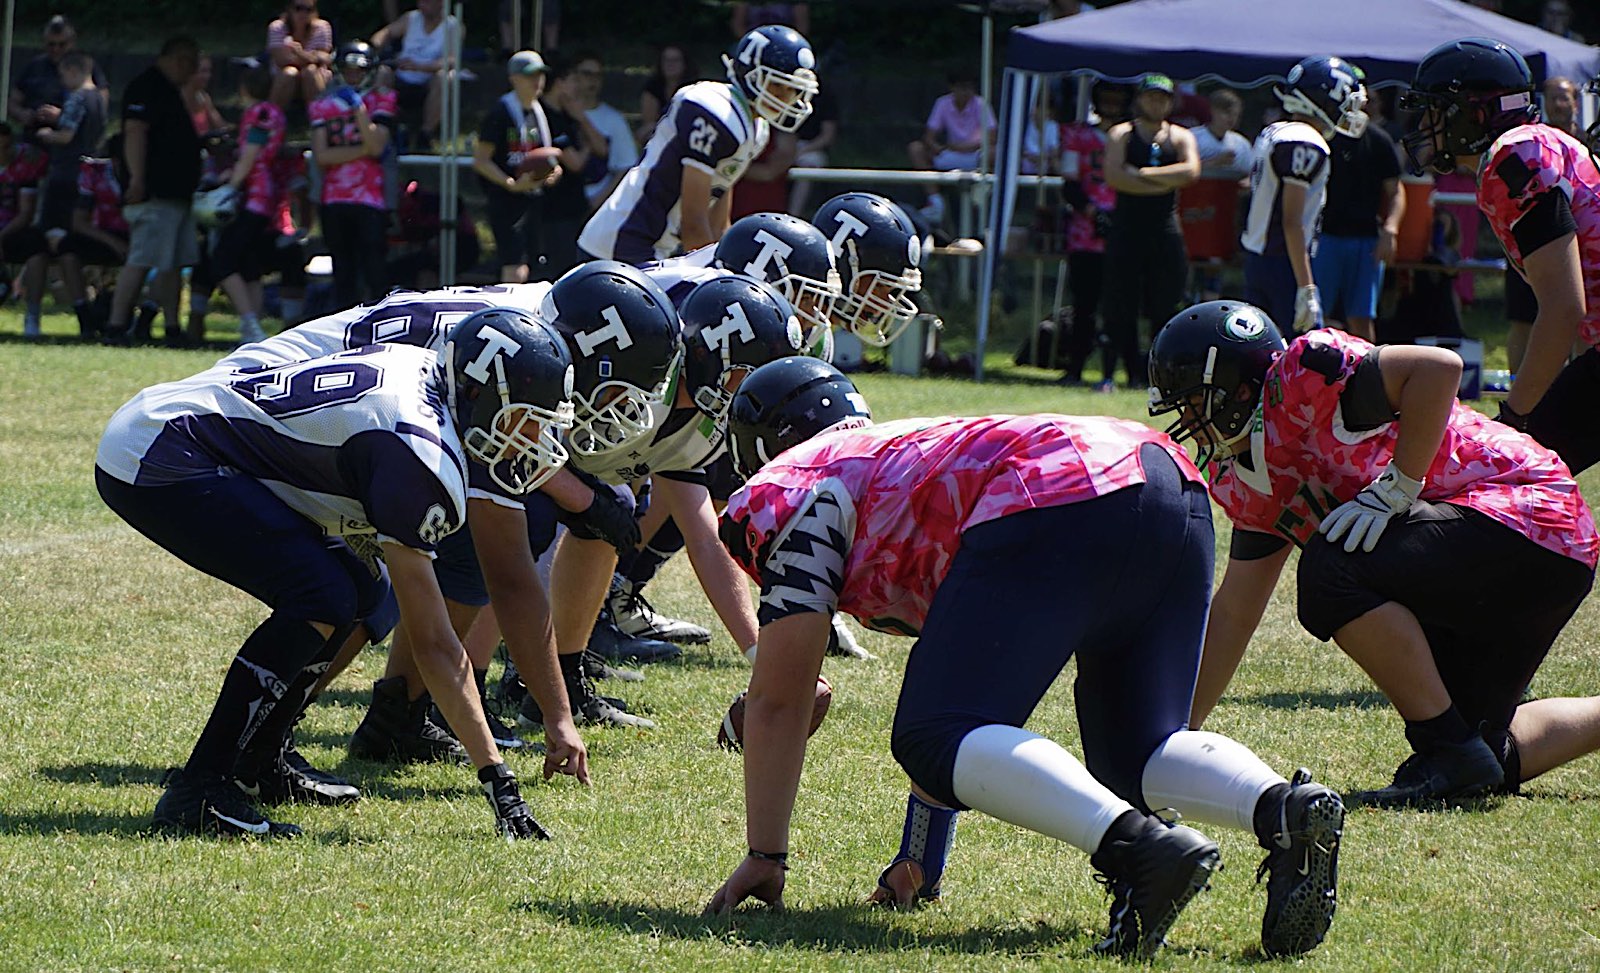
column 795, row 335
column 1295, row 73
column 603, row 367
column 750, row 51
column 614, row 330
column 772, row 249
column 735, row 322
column 805, row 58
column 569, row 382
column 1245, row 324
column 849, row 226
column 494, row 343
column 913, row 251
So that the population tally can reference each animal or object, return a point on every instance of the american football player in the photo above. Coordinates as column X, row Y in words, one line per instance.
column 677, row 198
column 1396, row 495
column 1540, row 189
column 920, row 527
column 1289, row 184
column 880, row 264
column 290, row 483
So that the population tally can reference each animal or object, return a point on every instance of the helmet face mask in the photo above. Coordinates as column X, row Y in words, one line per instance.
column 880, row 255
column 877, row 307
column 617, row 414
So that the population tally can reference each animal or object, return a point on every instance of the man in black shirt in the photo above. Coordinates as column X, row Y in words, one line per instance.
column 511, row 133
column 1360, row 223
column 37, row 96
column 161, row 153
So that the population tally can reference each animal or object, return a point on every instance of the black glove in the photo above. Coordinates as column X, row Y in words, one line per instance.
column 511, row 815
column 608, row 519
column 1515, row 420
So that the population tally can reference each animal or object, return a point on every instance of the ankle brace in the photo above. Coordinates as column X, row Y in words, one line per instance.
column 925, row 839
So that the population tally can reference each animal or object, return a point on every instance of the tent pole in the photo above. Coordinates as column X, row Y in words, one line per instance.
column 538, row 25
column 516, row 26
column 5, row 58
column 1000, row 200
column 450, row 131
column 987, row 91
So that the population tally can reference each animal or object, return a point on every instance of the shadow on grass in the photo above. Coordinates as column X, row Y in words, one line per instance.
column 372, row 778
column 105, row 774
column 57, row 821
column 1314, row 700
column 829, row 928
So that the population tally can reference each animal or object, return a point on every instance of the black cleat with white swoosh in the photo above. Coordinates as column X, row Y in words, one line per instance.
column 197, row 804
column 1302, row 866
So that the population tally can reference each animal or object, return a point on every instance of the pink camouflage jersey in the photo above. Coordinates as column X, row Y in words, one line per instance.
column 1521, row 166
column 879, row 512
column 1083, row 154
column 100, row 194
column 359, row 181
column 20, row 177
column 263, row 124
column 1306, row 462
column 289, row 177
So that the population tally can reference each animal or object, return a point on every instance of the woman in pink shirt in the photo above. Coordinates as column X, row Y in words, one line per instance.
column 300, row 45
column 954, row 136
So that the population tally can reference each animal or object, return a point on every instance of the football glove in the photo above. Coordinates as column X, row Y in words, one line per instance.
column 511, row 815
column 1364, row 518
column 607, row 518
column 1307, row 309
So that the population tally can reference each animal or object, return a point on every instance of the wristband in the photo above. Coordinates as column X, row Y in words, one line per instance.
column 1510, row 417
column 781, row 857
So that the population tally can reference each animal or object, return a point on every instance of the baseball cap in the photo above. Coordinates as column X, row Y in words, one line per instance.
column 1155, row 82
column 526, row 62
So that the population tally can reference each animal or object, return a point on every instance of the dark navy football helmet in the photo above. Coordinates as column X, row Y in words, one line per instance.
column 880, row 261
column 1329, row 90
column 1468, row 93
column 786, row 402
column 509, row 390
column 623, row 336
column 791, row 255
column 731, row 326
column 776, row 71
column 1209, row 364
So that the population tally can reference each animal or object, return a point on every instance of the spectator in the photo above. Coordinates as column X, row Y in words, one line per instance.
column 300, row 45
column 1091, row 199
column 748, row 16
column 99, row 236
column 1522, row 307
column 764, row 187
column 953, row 137
column 1148, row 159
column 1041, row 141
column 349, row 132
column 74, row 133
column 815, row 137
column 1556, row 17
column 239, row 248
column 673, row 70
column 565, row 208
column 513, row 129
column 420, row 66
column 197, row 99
column 36, row 94
column 1360, row 225
column 162, row 154
column 1224, row 153
column 622, row 153
column 21, row 242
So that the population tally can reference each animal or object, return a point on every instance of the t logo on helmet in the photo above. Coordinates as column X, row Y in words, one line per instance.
column 736, row 322
column 849, row 226
column 494, row 344
column 772, row 249
column 614, row 330
column 750, row 50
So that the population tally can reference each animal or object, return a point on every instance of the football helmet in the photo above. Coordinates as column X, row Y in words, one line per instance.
column 1468, row 92
column 1208, row 364
column 509, row 391
column 794, row 257
column 776, row 71
column 786, row 402
column 216, row 208
column 880, row 258
column 355, row 54
column 732, row 325
column 1328, row 89
column 624, row 339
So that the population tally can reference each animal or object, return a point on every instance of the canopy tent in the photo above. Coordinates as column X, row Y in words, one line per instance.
column 1243, row 43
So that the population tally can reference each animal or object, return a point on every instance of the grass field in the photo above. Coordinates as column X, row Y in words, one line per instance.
column 113, row 650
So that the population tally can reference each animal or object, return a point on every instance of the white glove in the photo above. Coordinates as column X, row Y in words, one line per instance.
column 1307, row 309
column 1368, row 514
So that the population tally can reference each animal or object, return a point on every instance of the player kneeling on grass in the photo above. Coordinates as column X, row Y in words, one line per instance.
column 267, row 479
column 922, row 527
column 1401, row 499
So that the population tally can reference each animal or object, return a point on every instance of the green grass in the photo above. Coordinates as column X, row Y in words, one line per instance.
column 113, row 651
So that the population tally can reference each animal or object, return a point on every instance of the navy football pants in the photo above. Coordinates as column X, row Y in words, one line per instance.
column 1122, row 581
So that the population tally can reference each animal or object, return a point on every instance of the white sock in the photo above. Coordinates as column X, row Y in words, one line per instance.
column 1207, row 777
column 1022, row 778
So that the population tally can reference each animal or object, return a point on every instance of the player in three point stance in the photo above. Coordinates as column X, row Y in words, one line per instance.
column 274, row 480
column 1540, row 189
column 1397, row 495
column 921, row 527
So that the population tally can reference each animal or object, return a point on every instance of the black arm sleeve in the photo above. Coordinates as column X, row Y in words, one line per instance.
column 1252, row 545
column 1364, row 403
column 1547, row 220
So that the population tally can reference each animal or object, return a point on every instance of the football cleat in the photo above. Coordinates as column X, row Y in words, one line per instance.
column 212, row 805
column 1151, row 879
column 589, row 708
column 842, row 642
column 610, row 643
column 637, row 618
column 290, row 777
column 1466, row 769
column 601, row 669
column 1302, row 866
column 398, row 729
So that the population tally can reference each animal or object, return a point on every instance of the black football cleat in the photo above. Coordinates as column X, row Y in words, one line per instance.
column 1302, row 866
column 599, row 668
column 1151, row 879
column 396, row 729
column 1445, row 773
column 212, row 805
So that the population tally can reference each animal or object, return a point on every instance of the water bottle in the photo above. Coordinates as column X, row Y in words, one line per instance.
column 1155, row 153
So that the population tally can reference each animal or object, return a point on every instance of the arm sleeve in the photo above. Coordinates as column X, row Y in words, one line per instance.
column 1299, row 162
column 805, row 572
column 1364, row 403
column 1547, row 220
column 1252, row 545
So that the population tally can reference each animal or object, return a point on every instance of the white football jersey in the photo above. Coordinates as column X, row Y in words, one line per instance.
column 680, row 275
column 1285, row 152
column 357, row 442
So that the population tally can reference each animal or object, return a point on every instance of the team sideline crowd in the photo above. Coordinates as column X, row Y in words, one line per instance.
column 396, row 470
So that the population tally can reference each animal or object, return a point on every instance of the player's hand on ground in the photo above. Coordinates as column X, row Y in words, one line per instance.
column 564, row 751
column 755, row 878
column 512, row 818
column 897, row 886
column 1365, row 517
